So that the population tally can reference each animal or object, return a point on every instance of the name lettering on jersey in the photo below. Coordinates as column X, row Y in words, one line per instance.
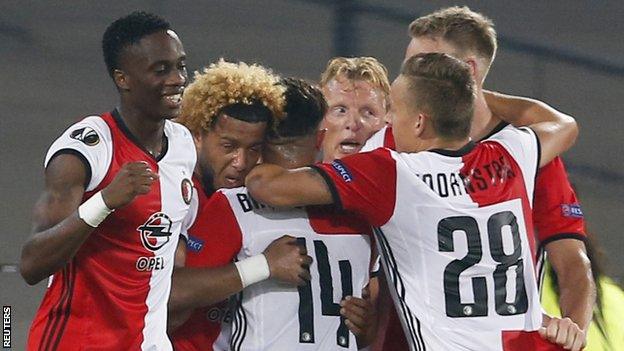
column 248, row 204
column 571, row 210
column 156, row 231
column 342, row 170
column 194, row 244
column 87, row 135
column 478, row 179
column 149, row 264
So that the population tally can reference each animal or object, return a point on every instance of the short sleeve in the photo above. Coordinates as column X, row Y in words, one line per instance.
column 363, row 183
column 191, row 215
column 90, row 140
column 557, row 213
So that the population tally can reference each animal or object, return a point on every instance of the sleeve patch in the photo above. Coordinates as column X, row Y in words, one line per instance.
column 571, row 210
column 342, row 171
column 194, row 244
column 87, row 135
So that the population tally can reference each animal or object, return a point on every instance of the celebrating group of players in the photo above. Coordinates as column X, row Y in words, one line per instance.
column 423, row 227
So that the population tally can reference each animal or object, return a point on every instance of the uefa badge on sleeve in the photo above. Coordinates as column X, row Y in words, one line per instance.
column 187, row 190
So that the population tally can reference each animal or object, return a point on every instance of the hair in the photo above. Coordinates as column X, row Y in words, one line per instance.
column 366, row 69
column 250, row 93
column 463, row 28
column 305, row 108
column 127, row 31
column 441, row 86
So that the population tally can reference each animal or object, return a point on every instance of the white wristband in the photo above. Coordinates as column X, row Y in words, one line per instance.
column 253, row 269
column 94, row 210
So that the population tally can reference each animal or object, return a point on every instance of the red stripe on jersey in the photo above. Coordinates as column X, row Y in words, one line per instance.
column 103, row 301
column 389, row 139
column 556, row 209
column 326, row 220
column 492, row 175
column 216, row 228
column 522, row 340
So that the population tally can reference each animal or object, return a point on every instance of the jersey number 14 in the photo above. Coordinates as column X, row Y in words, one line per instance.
column 328, row 306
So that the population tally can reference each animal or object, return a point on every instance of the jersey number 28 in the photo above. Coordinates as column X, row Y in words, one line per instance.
column 495, row 225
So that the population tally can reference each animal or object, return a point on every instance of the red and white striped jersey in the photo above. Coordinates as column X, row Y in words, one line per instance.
column 212, row 240
column 456, row 237
column 270, row 315
column 113, row 294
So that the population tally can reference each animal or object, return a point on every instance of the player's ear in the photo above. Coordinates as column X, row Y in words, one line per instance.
column 120, row 79
column 472, row 62
column 419, row 124
column 197, row 139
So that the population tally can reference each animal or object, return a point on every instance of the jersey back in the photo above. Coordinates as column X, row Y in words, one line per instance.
column 274, row 316
column 113, row 294
column 455, row 235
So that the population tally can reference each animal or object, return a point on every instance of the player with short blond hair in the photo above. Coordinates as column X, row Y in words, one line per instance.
column 356, row 90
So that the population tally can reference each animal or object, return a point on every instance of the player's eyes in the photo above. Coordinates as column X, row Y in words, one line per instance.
column 340, row 110
column 160, row 69
column 368, row 113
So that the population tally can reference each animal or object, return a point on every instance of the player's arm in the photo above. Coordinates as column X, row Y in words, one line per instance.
column 193, row 287
column 280, row 187
column 59, row 229
column 555, row 130
column 517, row 110
column 577, row 293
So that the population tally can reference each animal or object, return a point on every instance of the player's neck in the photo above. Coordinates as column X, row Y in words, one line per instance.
column 444, row 144
column 148, row 132
column 483, row 121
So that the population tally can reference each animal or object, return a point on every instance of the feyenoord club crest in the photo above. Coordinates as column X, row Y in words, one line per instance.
column 187, row 190
column 155, row 232
column 87, row 135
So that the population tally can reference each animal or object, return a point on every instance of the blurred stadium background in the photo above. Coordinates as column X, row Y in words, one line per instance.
column 568, row 53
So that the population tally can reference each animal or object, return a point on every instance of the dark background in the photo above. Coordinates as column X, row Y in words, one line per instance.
column 568, row 53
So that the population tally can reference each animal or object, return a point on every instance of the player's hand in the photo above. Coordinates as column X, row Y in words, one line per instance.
column 360, row 317
column 563, row 332
column 133, row 179
column 288, row 261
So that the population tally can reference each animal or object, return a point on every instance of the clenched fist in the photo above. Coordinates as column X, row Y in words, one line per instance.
column 563, row 332
column 133, row 179
column 288, row 261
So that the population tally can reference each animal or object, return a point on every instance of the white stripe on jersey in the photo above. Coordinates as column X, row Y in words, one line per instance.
column 171, row 169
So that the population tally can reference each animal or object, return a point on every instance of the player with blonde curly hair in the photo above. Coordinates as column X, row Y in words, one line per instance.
column 229, row 108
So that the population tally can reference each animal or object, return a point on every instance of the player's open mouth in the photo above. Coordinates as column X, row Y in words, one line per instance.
column 349, row 147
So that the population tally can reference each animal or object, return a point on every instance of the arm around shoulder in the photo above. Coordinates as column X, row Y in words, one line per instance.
column 555, row 136
column 279, row 187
